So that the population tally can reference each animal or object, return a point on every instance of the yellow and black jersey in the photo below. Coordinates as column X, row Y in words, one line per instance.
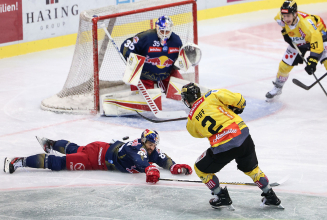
column 210, row 117
column 307, row 29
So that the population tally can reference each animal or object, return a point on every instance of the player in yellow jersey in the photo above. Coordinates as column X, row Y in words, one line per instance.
column 308, row 32
column 215, row 116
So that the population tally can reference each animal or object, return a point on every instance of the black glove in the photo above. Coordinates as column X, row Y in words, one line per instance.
column 287, row 38
column 236, row 110
column 304, row 48
column 311, row 65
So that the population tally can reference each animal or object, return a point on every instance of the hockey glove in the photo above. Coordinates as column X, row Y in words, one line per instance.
column 236, row 110
column 181, row 169
column 152, row 174
column 311, row 66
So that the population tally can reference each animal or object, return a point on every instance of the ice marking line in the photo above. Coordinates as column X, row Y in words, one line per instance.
column 34, row 129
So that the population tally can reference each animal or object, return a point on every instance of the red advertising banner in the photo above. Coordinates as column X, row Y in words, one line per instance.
column 11, row 21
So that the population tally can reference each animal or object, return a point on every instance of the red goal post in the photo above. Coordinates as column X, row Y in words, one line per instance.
column 96, row 66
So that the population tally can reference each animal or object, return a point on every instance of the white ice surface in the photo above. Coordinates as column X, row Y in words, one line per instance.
column 240, row 53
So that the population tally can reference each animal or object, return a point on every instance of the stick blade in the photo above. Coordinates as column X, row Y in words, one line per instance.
column 300, row 84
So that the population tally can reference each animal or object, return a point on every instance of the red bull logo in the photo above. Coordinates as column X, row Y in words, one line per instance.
column 160, row 62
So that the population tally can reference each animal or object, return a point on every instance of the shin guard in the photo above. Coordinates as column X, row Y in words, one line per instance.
column 283, row 73
column 209, row 179
column 258, row 177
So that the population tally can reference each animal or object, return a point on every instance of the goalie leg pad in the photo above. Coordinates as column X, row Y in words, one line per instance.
column 127, row 102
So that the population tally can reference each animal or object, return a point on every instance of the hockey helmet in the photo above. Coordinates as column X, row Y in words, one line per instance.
column 150, row 135
column 190, row 93
column 289, row 7
column 164, row 28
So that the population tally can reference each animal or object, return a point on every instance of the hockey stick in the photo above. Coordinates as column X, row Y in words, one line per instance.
column 317, row 81
column 300, row 84
column 152, row 105
column 227, row 183
column 161, row 121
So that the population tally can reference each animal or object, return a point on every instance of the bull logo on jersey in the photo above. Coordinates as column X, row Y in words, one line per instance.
column 161, row 62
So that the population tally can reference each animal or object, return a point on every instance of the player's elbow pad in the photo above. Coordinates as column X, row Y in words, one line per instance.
column 287, row 38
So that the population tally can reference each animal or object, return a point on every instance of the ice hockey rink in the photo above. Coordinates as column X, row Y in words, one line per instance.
column 240, row 53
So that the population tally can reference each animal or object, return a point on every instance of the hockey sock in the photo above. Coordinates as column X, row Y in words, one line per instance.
column 46, row 161
column 65, row 147
column 283, row 73
column 209, row 179
column 259, row 178
column 35, row 161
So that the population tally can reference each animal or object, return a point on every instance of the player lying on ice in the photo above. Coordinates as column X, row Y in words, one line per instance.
column 164, row 54
column 131, row 157
column 215, row 116
column 308, row 32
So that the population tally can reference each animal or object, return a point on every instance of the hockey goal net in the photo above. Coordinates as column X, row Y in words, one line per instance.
column 97, row 67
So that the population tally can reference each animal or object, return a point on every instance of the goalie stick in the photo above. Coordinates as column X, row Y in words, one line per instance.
column 297, row 82
column 161, row 121
column 230, row 183
column 152, row 105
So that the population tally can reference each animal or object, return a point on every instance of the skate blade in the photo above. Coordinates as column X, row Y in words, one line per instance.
column 230, row 207
column 280, row 206
column 6, row 165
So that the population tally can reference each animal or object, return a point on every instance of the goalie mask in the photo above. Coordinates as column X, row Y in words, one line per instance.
column 164, row 28
column 150, row 135
column 189, row 55
column 190, row 93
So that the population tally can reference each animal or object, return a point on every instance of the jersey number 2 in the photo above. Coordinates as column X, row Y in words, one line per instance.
column 212, row 124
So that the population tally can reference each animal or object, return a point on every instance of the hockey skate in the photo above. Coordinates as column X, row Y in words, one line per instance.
column 222, row 200
column 46, row 144
column 11, row 164
column 270, row 199
column 277, row 90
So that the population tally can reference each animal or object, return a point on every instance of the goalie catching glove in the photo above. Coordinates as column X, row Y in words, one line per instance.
column 152, row 174
column 189, row 55
column 181, row 169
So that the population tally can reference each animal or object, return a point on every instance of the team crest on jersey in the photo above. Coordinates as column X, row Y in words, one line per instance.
column 291, row 34
column 165, row 48
column 135, row 40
